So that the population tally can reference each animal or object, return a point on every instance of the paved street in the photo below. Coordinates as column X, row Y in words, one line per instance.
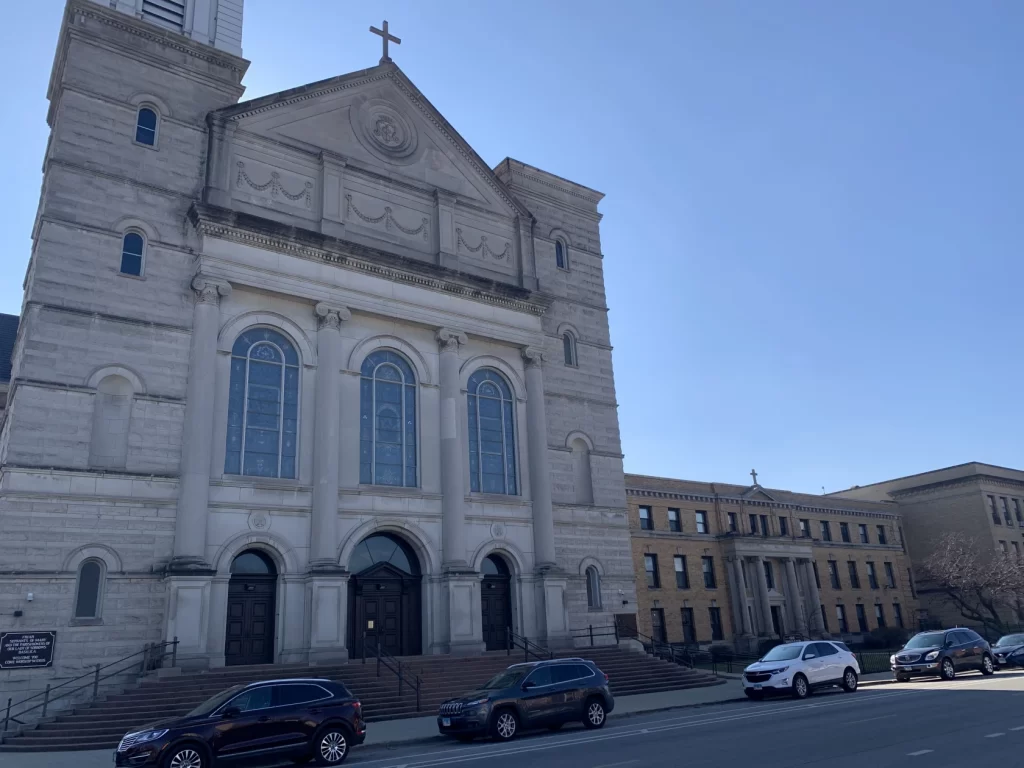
column 971, row 721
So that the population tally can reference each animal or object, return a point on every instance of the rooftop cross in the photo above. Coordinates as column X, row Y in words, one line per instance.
column 386, row 37
column 753, row 474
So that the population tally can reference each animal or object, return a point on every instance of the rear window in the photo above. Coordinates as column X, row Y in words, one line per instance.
column 841, row 646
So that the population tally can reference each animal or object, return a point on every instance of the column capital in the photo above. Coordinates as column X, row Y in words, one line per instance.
column 209, row 290
column 449, row 339
column 330, row 316
column 532, row 356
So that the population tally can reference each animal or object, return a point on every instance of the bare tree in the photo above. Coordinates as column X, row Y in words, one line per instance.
column 984, row 587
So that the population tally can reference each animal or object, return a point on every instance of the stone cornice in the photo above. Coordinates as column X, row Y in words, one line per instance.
column 972, row 480
column 210, row 222
column 709, row 499
column 519, row 168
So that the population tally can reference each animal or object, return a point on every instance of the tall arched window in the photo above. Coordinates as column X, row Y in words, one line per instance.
column 111, row 418
column 133, row 248
column 492, row 443
column 145, row 126
column 560, row 260
column 593, row 587
column 569, row 349
column 387, row 420
column 263, row 406
column 90, row 579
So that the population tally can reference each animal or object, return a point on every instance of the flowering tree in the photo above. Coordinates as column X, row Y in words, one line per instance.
column 985, row 588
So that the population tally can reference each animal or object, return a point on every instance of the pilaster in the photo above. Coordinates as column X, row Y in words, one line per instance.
column 332, row 194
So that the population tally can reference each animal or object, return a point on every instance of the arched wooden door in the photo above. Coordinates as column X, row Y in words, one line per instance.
column 496, row 599
column 384, row 597
column 249, row 634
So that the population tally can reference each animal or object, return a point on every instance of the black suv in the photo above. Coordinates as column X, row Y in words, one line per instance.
column 943, row 652
column 302, row 719
column 538, row 694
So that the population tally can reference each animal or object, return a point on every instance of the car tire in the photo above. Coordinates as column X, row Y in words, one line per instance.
column 332, row 745
column 187, row 755
column 946, row 669
column 594, row 713
column 849, row 680
column 754, row 695
column 801, row 688
column 505, row 725
column 988, row 667
column 902, row 678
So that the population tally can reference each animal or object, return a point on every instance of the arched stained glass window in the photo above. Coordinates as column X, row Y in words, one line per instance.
column 492, row 443
column 133, row 247
column 145, row 126
column 263, row 406
column 384, row 548
column 387, row 420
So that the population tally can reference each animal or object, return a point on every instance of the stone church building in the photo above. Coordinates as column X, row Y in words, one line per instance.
column 298, row 372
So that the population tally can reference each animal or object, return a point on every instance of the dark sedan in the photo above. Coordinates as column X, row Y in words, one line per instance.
column 1009, row 651
column 301, row 719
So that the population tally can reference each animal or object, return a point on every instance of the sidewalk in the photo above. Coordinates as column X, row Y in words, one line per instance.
column 407, row 730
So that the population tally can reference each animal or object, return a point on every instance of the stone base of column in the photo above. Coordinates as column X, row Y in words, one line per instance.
column 327, row 598
column 552, row 611
column 188, row 619
column 461, row 591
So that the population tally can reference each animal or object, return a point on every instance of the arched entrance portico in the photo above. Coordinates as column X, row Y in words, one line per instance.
column 249, row 633
column 496, row 602
column 385, row 596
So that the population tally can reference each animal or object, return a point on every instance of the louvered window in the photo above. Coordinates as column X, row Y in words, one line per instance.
column 166, row 13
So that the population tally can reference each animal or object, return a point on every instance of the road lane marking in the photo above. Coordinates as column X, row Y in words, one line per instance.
column 919, row 752
column 616, row 765
column 1018, row 728
column 994, row 735
column 866, row 720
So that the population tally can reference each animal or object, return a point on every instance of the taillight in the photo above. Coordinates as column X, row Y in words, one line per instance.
column 358, row 707
column 605, row 677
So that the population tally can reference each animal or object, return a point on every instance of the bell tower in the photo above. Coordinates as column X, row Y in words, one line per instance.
column 210, row 22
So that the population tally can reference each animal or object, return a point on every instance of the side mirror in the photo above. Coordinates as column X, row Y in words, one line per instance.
column 230, row 712
column 528, row 685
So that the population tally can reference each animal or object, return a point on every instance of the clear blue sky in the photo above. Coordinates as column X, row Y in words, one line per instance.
column 813, row 222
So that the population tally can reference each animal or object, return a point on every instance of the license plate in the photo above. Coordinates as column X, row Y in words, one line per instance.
column 446, row 722
column 757, row 687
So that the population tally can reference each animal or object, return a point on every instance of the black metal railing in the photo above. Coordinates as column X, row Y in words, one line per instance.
column 530, row 648
column 149, row 658
column 394, row 665
column 590, row 632
column 667, row 651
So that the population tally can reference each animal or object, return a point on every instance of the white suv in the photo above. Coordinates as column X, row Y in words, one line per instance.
column 798, row 668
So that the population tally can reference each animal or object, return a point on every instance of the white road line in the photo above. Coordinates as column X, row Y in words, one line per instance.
column 994, row 735
column 1018, row 728
column 865, row 720
column 919, row 752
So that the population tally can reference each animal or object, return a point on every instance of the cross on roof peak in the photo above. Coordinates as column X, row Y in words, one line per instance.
column 753, row 474
column 386, row 37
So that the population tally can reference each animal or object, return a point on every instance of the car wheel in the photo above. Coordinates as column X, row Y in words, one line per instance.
column 593, row 713
column 506, row 725
column 849, row 680
column 987, row 667
column 331, row 746
column 947, row 670
column 754, row 695
column 902, row 678
column 800, row 687
column 186, row 756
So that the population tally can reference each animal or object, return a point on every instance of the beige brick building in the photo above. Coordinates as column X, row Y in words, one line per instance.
column 983, row 502
column 735, row 564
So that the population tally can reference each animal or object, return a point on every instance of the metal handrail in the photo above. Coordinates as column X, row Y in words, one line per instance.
column 660, row 648
column 149, row 661
column 394, row 665
column 512, row 640
column 588, row 631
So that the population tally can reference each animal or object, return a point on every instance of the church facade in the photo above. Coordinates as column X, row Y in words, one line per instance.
column 299, row 373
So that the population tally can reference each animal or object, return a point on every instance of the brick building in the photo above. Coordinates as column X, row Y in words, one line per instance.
column 729, row 563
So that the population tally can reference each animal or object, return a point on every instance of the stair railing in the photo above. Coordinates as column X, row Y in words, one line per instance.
column 590, row 632
column 684, row 657
column 392, row 664
column 149, row 658
column 530, row 648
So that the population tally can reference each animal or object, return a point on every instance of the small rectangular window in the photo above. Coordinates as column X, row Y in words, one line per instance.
column 682, row 577
column 689, row 631
column 708, row 567
column 783, row 527
column 646, row 523
column 805, row 528
column 862, row 618
column 702, row 521
column 844, row 532
column 651, row 568
column 658, row 624
column 715, row 616
column 993, row 511
column 733, row 526
column 833, row 574
column 890, row 575
column 673, row 521
column 826, row 531
column 881, row 533
column 1005, row 504
column 841, row 618
column 765, row 528
column 863, row 533
column 1018, row 513
column 817, row 578
column 753, row 524
column 769, row 574
column 897, row 613
column 872, row 576
column 854, row 576
column 880, row 615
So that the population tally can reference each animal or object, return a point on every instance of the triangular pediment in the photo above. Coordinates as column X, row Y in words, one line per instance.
column 757, row 493
column 379, row 123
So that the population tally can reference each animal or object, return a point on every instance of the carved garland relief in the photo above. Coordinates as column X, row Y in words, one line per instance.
column 274, row 185
column 483, row 247
column 388, row 218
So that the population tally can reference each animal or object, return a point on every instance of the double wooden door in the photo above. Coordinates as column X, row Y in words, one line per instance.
column 249, row 634
column 386, row 612
column 496, row 611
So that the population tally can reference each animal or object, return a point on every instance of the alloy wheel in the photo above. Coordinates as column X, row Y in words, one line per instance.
column 850, row 681
column 333, row 747
column 187, row 758
column 506, row 726
column 948, row 671
column 801, row 687
column 986, row 664
column 595, row 714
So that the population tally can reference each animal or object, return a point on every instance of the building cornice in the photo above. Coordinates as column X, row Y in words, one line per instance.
column 972, row 480
column 739, row 500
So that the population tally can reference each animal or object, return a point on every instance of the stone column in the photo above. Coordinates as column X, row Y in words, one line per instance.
column 453, row 513
column 737, row 565
column 197, row 437
column 323, row 530
column 736, row 593
column 797, row 607
column 813, row 600
column 540, row 476
column 767, row 628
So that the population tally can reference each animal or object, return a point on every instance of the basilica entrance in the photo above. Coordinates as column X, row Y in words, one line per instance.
column 249, row 634
column 384, row 597
column 496, row 597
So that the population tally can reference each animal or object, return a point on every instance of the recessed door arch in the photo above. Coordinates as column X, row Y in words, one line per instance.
column 385, row 597
column 496, row 601
column 249, row 631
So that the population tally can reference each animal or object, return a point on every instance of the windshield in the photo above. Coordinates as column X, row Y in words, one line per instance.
column 783, row 653
column 211, row 704
column 504, row 679
column 1011, row 640
column 926, row 640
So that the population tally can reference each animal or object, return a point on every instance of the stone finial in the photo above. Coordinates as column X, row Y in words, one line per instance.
column 330, row 316
column 533, row 356
column 209, row 290
column 449, row 340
